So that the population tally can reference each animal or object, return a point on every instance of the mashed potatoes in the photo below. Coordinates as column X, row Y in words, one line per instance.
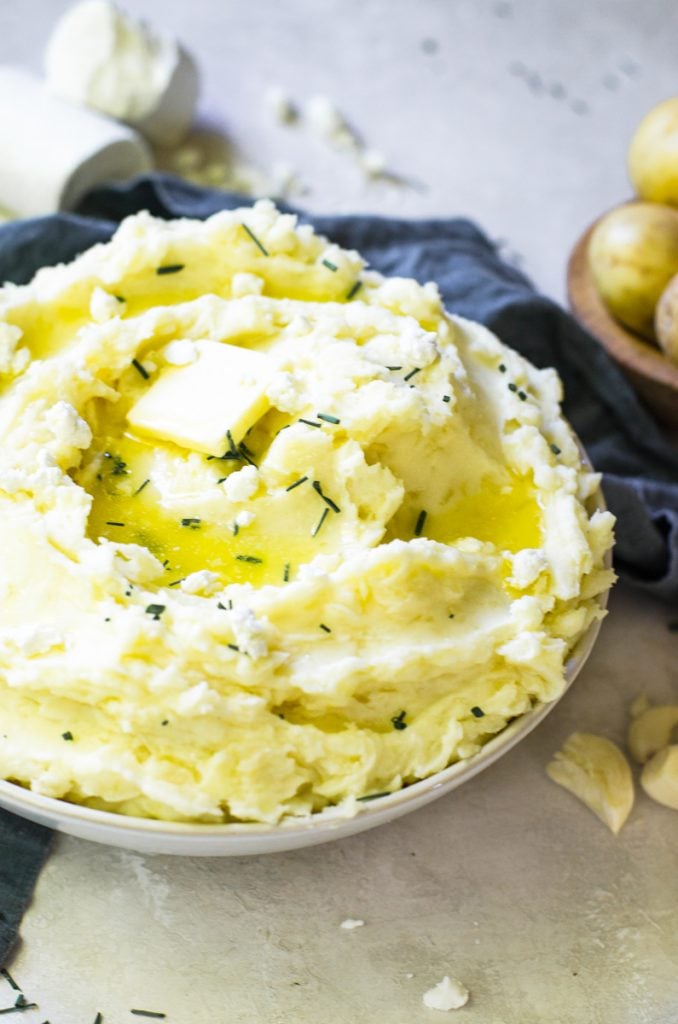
column 277, row 532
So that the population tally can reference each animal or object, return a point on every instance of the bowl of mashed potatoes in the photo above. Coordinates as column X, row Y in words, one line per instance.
column 289, row 550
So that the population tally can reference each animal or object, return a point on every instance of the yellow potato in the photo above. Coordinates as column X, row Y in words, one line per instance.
column 653, row 154
column 666, row 320
column 633, row 253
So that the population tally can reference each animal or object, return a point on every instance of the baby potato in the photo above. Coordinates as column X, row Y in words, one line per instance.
column 666, row 320
column 633, row 253
column 653, row 154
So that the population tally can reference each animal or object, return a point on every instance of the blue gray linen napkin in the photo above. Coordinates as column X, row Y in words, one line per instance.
column 640, row 467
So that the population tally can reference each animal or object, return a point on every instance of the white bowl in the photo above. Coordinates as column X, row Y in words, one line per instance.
column 233, row 840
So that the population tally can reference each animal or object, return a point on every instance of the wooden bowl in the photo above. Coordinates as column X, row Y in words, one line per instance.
column 653, row 376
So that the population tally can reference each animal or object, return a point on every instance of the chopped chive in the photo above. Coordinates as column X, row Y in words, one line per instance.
column 555, row 449
column 286, row 573
column 149, row 1013
column 170, row 268
column 18, row 1007
column 221, row 479
column 411, row 374
column 372, row 796
column 221, row 606
column 141, row 487
column 111, row 522
column 328, row 501
column 477, row 712
column 512, row 386
column 329, row 265
column 246, row 455
column 120, row 298
column 255, row 240
column 446, row 398
column 9, row 979
column 165, row 564
column 119, row 465
column 325, row 629
column 522, row 396
column 419, row 525
column 232, row 450
column 234, row 647
column 310, row 423
column 67, row 735
column 252, row 559
column 451, row 615
column 502, row 368
column 175, row 583
column 165, row 721
column 394, row 368
column 316, row 529
column 326, row 416
column 297, row 483
column 355, row 288
column 155, row 610
column 140, row 369
column 192, row 523
column 99, row 1018
column 398, row 721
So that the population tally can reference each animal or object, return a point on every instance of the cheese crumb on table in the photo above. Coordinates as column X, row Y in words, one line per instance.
column 350, row 923
column 448, row 994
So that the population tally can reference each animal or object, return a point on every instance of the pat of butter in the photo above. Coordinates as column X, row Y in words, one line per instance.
column 197, row 405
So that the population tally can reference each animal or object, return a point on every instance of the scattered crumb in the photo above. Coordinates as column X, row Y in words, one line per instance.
column 327, row 121
column 280, row 105
column 448, row 994
column 373, row 162
column 409, row 975
column 351, row 922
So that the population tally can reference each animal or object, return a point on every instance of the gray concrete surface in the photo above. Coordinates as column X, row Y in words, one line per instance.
column 518, row 114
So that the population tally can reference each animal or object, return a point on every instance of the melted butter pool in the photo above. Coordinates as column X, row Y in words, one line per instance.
column 504, row 514
column 126, row 508
column 507, row 516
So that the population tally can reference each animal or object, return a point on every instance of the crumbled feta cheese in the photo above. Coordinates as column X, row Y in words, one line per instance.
column 244, row 518
column 448, row 994
column 10, row 336
column 241, row 486
column 246, row 284
column 180, row 353
column 248, row 632
column 201, row 582
column 68, row 426
column 350, row 923
column 103, row 306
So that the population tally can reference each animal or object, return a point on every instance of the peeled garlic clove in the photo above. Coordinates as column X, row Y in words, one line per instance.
column 660, row 777
column 594, row 769
column 651, row 730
